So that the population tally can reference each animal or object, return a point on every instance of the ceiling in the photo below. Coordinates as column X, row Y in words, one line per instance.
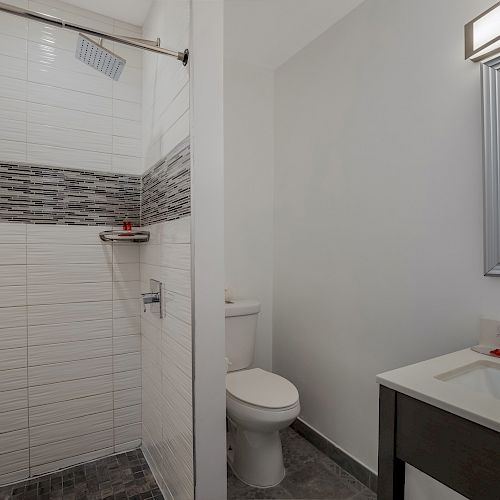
column 129, row 11
column 268, row 32
column 261, row 32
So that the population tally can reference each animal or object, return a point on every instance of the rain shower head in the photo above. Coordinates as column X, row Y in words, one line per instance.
column 99, row 58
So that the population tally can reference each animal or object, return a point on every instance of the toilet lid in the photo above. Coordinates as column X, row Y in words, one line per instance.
column 260, row 388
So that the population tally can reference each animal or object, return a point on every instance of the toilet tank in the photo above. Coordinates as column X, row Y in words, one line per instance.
column 241, row 330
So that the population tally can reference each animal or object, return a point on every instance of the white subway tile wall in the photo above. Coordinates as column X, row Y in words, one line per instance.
column 166, row 360
column 70, row 361
column 166, row 344
column 165, row 84
column 56, row 111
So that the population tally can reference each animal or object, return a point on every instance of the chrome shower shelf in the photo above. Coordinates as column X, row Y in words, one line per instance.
column 121, row 235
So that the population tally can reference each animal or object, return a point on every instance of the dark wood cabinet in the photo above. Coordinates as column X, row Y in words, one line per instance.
column 461, row 454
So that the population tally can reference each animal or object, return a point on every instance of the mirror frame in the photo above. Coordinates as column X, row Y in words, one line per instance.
column 490, row 83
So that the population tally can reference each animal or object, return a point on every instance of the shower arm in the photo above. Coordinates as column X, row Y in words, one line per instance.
column 139, row 43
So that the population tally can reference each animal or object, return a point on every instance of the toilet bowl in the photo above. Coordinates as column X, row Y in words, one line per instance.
column 258, row 404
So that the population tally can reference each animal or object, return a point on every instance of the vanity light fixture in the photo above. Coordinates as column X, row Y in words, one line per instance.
column 482, row 35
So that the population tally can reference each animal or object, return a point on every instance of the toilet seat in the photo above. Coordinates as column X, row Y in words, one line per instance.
column 262, row 390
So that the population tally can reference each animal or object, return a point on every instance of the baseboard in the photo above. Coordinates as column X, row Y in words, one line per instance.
column 362, row 473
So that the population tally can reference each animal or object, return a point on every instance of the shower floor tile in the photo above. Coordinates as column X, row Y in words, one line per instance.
column 126, row 476
column 310, row 475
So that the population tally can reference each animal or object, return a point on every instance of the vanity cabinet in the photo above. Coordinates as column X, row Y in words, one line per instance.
column 460, row 453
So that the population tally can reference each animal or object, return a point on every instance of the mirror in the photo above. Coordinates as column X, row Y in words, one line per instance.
column 490, row 82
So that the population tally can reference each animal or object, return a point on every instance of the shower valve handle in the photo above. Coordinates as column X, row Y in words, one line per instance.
column 150, row 298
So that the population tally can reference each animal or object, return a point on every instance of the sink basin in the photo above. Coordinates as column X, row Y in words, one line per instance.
column 481, row 376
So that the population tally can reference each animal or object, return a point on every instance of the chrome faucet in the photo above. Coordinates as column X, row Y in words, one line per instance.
column 150, row 298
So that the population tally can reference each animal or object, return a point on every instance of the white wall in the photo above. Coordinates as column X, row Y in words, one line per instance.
column 55, row 110
column 207, row 126
column 166, row 354
column 165, row 81
column 378, row 229
column 249, row 183
column 70, row 379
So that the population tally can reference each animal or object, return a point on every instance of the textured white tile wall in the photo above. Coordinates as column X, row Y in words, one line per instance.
column 70, row 361
column 57, row 111
column 165, row 82
column 14, row 441
column 166, row 360
column 166, row 344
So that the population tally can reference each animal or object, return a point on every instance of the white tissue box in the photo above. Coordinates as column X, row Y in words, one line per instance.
column 489, row 332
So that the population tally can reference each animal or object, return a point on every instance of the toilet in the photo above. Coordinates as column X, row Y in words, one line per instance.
column 258, row 403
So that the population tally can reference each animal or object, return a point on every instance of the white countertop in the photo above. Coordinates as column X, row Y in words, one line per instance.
column 419, row 382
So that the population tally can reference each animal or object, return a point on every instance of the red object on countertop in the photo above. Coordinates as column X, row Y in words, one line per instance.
column 495, row 352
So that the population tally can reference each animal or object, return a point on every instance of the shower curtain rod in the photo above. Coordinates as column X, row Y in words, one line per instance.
column 152, row 46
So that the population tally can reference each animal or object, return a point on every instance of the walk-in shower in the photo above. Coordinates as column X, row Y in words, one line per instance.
column 95, row 392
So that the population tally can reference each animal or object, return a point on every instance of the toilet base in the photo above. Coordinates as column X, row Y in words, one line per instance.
column 256, row 458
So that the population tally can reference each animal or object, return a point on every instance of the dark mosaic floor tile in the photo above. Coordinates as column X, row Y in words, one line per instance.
column 121, row 477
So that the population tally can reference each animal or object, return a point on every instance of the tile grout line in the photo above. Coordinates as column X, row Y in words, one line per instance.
column 112, row 341
column 26, row 102
column 140, row 320
column 27, row 359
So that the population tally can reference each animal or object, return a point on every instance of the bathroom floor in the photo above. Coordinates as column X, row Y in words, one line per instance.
column 310, row 475
column 124, row 476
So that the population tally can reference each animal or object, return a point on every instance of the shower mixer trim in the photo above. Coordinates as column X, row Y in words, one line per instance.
column 154, row 298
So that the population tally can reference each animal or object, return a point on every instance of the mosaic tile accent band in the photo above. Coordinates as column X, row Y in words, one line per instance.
column 35, row 194
column 47, row 195
column 166, row 187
